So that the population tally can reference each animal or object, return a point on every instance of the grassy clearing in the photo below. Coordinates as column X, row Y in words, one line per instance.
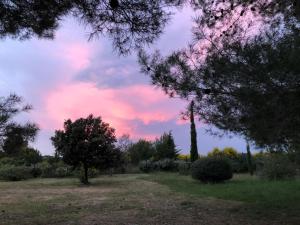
column 134, row 199
column 283, row 195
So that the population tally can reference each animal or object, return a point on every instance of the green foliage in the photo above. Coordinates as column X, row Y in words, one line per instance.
column 230, row 152
column 166, row 165
column 63, row 172
column 87, row 142
column 55, row 170
column 141, row 150
column 165, row 147
column 211, row 170
column 184, row 168
column 237, row 160
column 194, row 148
column 239, row 164
column 36, row 172
column 160, row 165
column 10, row 161
column 147, row 166
column 215, row 152
column 31, row 156
column 276, row 166
column 15, row 173
column 48, row 170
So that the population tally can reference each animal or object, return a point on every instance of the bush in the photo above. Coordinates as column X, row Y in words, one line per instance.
column 11, row 161
column 63, row 172
column 211, row 170
column 36, row 172
column 48, row 170
column 184, row 168
column 147, row 166
column 276, row 166
column 15, row 173
column 165, row 165
column 239, row 164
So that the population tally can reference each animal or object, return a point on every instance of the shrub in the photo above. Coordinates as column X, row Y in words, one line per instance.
column 63, row 172
column 147, row 166
column 11, row 161
column 184, row 168
column 276, row 166
column 239, row 164
column 36, row 172
column 48, row 170
column 15, row 173
column 211, row 169
column 165, row 165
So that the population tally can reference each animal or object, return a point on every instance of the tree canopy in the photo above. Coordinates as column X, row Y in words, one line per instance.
column 13, row 135
column 165, row 147
column 86, row 142
column 241, row 70
column 130, row 24
column 252, row 90
column 141, row 150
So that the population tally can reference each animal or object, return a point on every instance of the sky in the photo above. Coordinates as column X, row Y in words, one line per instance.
column 71, row 77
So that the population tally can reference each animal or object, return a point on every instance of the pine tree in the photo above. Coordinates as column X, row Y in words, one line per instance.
column 194, row 149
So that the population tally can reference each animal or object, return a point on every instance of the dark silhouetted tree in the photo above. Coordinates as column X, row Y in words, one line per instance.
column 254, row 89
column 249, row 159
column 86, row 142
column 194, row 148
column 14, row 136
column 165, row 147
column 130, row 24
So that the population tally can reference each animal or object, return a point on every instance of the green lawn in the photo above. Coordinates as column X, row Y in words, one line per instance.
column 160, row 198
column 267, row 195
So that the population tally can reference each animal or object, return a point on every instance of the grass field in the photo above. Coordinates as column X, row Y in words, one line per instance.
column 161, row 198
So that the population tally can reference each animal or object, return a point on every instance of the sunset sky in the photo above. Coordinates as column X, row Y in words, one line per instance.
column 69, row 77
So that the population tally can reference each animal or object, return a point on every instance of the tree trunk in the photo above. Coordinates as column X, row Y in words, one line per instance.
column 249, row 160
column 194, row 148
column 86, row 178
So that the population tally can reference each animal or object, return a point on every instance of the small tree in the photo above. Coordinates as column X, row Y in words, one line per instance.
column 194, row 148
column 87, row 142
column 165, row 147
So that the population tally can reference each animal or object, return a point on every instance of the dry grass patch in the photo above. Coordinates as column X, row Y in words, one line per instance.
column 122, row 199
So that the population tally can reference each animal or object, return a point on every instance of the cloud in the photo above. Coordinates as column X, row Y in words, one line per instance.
column 120, row 107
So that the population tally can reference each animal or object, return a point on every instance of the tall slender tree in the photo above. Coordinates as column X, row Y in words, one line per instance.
column 194, row 148
column 249, row 159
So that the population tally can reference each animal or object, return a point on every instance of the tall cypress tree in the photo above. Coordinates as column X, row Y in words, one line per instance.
column 249, row 159
column 194, row 149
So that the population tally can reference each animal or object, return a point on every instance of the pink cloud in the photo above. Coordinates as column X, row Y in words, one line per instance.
column 116, row 106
